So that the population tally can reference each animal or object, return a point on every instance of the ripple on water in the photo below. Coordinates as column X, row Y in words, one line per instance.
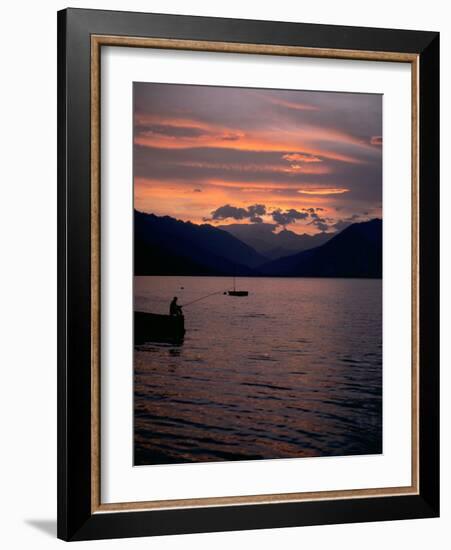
column 274, row 376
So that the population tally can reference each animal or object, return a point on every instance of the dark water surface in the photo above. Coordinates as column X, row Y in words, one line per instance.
column 292, row 370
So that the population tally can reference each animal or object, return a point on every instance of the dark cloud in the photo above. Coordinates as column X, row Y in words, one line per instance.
column 256, row 211
column 346, row 222
column 315, row 216
column 229, row 211
column 320, row 223
column 288, row 216
column 170, row 130
column 340, row 225
column 230, row 137
column 252, row 213
column 312, row 210
column 182, row 131
column 330, row 224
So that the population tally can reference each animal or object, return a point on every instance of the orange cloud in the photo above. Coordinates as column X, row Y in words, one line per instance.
column 272, row 168
column 263, row 185
column 179, row 200
column 158, row 127
column 293, row 140
column 247, row 142
column 301, row 157
column 376, row 140
column 147, row 119
column 289, row 104
column 265, row 152
column 324, row 191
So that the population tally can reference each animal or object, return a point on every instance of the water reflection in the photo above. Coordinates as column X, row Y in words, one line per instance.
column 293, row 370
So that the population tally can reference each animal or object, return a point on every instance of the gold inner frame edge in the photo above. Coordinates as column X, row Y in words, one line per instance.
column 97, row 41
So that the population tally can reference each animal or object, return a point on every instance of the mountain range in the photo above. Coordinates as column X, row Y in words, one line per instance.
column 166, row 246
column 263, row 238
column 355, row 252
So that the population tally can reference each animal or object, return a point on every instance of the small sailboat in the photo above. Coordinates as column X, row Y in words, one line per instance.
column 236, row 292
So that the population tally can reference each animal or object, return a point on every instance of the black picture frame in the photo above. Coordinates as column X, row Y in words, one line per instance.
column 76, row 520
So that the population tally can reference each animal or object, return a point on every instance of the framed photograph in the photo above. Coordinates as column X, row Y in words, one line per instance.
column 248, row 274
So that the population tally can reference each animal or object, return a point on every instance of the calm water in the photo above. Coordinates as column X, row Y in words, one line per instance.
column 293, row 370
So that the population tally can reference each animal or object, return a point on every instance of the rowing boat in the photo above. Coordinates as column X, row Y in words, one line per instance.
column 153, row 327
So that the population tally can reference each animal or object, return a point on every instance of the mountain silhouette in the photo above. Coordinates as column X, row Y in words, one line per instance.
column 355, row 252
column 263, row 238
column 166, row 246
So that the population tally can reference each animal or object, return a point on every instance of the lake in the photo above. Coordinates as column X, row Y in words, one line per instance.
column 293, row 370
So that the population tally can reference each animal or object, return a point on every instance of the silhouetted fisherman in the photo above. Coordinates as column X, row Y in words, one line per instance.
column 174, row 309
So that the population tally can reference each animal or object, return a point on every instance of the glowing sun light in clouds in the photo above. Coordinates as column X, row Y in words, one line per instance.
column 324, row 191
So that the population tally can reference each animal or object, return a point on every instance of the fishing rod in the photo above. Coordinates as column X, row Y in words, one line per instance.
column 203, row 297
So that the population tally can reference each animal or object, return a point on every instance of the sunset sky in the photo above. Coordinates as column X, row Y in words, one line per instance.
column 307, row 161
